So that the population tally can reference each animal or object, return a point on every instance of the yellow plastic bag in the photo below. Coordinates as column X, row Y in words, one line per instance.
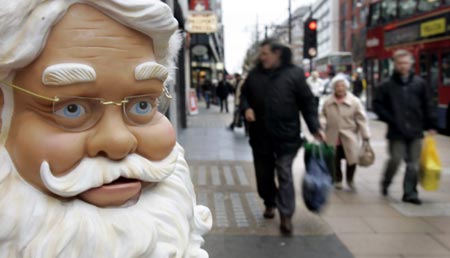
column 430, row 165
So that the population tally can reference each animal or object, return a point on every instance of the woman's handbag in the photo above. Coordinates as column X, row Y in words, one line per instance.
column 366, row 155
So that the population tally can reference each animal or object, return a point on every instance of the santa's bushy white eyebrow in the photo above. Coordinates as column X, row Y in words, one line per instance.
column 67, row 74
column 150, row 70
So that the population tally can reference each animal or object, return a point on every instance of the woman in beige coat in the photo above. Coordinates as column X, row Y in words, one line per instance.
column 345, row 123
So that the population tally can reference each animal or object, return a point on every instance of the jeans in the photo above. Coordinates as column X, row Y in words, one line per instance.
column 282, row 197
column 208, row 99
column 409, row 151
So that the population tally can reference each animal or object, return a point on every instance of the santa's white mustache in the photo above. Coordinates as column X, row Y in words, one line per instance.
column 95, row 172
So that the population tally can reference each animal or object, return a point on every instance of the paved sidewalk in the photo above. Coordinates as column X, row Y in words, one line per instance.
column 375, row 227
column 368, row 225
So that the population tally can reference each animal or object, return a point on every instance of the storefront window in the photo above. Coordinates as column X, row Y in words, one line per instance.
column 447, row 2
column 446, row 69
column 388, row 11
column 427, row 5
column 407, row 7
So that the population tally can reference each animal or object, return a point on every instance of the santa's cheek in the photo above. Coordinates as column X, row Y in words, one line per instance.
column 63, row 152
column 156, row 142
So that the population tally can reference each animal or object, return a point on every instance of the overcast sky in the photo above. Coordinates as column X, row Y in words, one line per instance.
column 239, row 19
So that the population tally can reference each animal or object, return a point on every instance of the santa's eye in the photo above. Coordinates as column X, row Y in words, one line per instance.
column 71, row 111
column 141, row 108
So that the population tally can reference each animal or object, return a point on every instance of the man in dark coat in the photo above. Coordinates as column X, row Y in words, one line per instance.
column 223, row 90
column 272, row 96
column 404, row 102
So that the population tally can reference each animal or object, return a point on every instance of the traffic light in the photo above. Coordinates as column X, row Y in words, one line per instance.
column 310, row 39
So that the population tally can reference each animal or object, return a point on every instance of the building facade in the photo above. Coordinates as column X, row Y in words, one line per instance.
column 281, row 32
column 327, row 14
column 353, row 28
column 206, row 42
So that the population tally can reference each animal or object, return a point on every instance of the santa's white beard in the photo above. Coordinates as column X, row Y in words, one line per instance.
column 165, row 222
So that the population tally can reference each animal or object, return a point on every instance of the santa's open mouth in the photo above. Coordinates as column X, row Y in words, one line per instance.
column 122, row 180
column 116, row 193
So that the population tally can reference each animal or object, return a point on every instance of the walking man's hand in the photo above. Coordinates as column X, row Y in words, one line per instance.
column 250, row 115
column 319, row 136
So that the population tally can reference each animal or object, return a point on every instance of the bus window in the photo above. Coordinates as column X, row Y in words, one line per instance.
column 374, row 14
column 376, row 71
column 447, row 2
column 407, row 7
column 446, row 69
column 388, row 11
column 434, row 76
column 387, row 66
column 427, row 5
column 423, row 64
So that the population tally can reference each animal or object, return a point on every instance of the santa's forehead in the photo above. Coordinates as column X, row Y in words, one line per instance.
column 77, row 36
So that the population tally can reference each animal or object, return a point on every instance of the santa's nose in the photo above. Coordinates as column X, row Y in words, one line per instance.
column 111, row 136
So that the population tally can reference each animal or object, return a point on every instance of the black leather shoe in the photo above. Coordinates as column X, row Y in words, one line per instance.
column 285, row 225
column 413, row 200
column 269, row 213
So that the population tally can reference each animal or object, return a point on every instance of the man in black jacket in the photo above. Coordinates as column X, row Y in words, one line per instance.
column 223, row 90
column 272, row 96
column 405, row 103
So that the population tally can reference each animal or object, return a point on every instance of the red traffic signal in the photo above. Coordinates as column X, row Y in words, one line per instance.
column 312, row 25
column 310, row 38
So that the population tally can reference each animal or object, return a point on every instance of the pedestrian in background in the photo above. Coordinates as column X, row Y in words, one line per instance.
column 272, row 96
column 404, row 102
column 207, row 87
column 315, row 85
column 224, row 89
column 238, row 116
column 357, row 82
column 345, row 122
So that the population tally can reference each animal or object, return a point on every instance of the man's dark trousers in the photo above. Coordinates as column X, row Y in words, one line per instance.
column 267, row 166
column 408, row 150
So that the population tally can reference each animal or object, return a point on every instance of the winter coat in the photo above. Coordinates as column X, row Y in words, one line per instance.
column 345, row 122
column 207, row 86
column 406, row 107
column 357, row 86
column 223, row 89
column 277, row 96
column 237, row 94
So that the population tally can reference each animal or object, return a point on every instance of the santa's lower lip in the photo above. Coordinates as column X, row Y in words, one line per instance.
column 115, row 193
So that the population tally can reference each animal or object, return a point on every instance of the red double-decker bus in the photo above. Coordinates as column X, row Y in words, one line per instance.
column 423, row 28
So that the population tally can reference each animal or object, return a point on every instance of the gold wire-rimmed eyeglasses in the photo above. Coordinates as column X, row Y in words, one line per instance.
column 75, row 113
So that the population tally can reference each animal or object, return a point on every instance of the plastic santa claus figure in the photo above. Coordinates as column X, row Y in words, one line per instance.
column 89, row 164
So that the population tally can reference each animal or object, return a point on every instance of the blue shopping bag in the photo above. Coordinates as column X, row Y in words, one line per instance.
column 316, row 183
